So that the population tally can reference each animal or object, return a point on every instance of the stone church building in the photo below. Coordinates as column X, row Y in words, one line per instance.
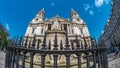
column 73, row 26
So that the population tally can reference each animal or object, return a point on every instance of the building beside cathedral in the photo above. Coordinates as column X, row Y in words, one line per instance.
column 73, row 26
column 111, row 35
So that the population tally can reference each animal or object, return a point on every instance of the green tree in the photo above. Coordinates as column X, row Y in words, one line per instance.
column 3, row 38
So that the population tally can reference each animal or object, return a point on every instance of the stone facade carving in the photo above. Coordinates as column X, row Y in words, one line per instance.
column 61, row 26
column 56, row 25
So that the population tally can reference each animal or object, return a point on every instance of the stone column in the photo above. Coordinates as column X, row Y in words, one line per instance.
column 62, row 27
column 43, row 29
column 68, row 29
column 46, row 27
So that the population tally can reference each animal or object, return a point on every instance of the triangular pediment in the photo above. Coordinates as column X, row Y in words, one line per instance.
column 58, row 18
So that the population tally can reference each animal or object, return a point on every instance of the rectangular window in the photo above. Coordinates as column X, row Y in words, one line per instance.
column 49, row 26
column 65, row 27
column 42, row 31
column 33, row 30
column 81, row 31
column 72, row 31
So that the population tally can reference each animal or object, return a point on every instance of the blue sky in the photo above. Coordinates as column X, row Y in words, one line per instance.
column 15, row 15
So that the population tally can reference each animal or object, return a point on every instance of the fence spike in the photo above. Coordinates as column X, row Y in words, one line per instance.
column 61, row 45
column 44, row 43
column 67, row 40
column 29, row 43
column 81, row 45
column 67, row 43
column 55, row 43
column 85, row 42
column 26, row 40
column 55, row 40
column 20, row 40
column 34, row 41
column 72, row 45
column 16, row 41
column 44, row 40
column 38, row 43
column 49, row 45
column 77, row 42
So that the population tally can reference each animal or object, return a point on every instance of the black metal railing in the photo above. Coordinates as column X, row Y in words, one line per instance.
column 14, row 54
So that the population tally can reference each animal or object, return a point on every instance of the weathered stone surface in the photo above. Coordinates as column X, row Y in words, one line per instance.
column 2, row 59
column 114, row 63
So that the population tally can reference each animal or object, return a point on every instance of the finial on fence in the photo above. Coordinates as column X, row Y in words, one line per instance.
column 67, row 40
column 44, row 40
column 85, row 42
column 49, row 45
column 16, row 40
column 72, row 45
column 61, row 45
column 88, row 44
column 55, row 43
column 20, row 41
column 77, row 43
column 44, row 43
column 92, row 42
column 34, row 41
column 55, row 40
column 67, row 43
column 26, row 40
column 81, row 45
column 29, row 43
column 38, row 43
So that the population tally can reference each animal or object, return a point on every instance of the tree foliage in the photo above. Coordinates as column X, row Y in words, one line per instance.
column 3, row 38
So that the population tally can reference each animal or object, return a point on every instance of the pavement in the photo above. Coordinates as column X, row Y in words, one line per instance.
column 2, row 59
column 112, row 62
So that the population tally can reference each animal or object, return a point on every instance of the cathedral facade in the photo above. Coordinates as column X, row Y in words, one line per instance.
column 59, row 26
column 73, row 26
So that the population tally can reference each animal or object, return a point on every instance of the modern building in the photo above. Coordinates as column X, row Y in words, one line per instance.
column 39, row 27
column 111, row 34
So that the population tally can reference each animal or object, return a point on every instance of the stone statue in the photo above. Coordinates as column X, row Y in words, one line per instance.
column 56, row 25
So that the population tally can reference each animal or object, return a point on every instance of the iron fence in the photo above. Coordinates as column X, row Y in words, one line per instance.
column 95, row 54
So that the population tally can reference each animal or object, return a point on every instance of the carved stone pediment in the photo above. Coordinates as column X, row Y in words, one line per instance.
column 56, row 25
column 58, row 18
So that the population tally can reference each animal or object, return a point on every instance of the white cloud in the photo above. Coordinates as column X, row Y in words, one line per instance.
column 102, row 31
column 7, row 26
column 99, row 3
column 86, row 7
column 91, row 12
column 52, row 4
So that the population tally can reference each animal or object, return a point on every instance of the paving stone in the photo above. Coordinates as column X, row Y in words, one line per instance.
column 2, row 59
